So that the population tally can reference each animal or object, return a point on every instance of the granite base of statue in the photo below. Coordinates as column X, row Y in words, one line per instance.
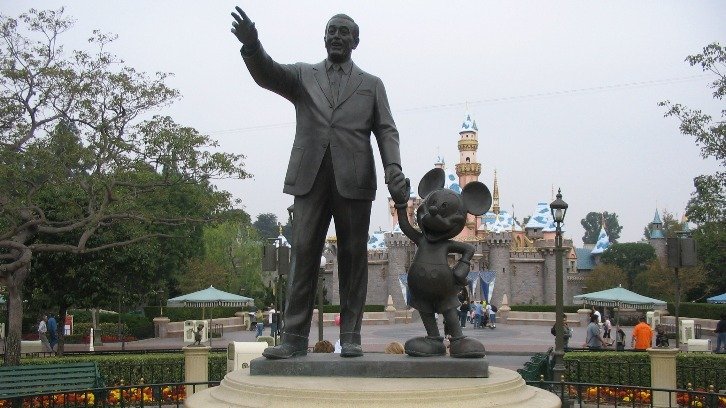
column 501, row 388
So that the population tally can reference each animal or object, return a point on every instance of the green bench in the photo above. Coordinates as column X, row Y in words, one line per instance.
column 45, row 379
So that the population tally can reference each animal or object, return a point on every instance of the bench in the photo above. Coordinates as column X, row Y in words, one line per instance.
column 21, row 381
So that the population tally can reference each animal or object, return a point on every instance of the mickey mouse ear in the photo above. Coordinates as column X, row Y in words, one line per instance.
column 433, row 180
column 477, row 198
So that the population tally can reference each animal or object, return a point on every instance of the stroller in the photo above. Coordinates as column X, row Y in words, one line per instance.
column 661, row 340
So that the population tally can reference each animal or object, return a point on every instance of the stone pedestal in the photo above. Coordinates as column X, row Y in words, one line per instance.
column 196, row 367
column 663, row 375
column 161, row 327
column 390, row 311
column 504, row 309
column 503, row 388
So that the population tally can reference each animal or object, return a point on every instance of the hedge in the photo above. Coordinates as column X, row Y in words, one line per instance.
column 698, row 310
column 633, row 368
column 150, row 368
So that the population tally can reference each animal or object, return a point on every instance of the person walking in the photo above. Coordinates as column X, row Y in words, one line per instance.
column 566, row 332
column 478, row 311
column 642, row 338
column 593, row 339
column 260, row 325
column 52, row 332
column 463, row 312
column 272, row 321
column 43, row 333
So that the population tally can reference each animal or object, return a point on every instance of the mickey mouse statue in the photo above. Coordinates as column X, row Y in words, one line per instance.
column 434, row 285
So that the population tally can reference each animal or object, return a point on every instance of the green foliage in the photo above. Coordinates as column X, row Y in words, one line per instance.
column 593, row 222
column 711, row 243
column 698, row 310
column 610, row 367
column 543, row 308
column 82, row 172
column 657, row 282
column 633, row 258
column 153, row 368
column 268, row 226
column 605, row 276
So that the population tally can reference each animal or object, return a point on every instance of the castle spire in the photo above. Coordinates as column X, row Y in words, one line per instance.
column 495, row 195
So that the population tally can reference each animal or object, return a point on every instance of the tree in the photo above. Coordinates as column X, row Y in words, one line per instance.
column 671, row 226
column 605, row 276
column 657, row 282
column 268, row 226
column 707, row 206
column 593, row 222
column 71, row 135
column 231, row 262
column 632, row 257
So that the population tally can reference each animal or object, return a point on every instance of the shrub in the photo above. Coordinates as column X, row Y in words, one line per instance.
column 626, row 368
column 698, row 310
column 149, row 368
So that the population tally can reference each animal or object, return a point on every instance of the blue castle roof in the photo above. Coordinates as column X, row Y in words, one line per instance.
column 603, row 242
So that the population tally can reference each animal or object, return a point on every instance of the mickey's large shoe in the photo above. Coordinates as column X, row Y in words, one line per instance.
column 292, row 346
column 466, row 347
column 425, row 347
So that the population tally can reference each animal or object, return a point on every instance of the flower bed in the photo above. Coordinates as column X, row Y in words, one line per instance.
column 641, row 397
column 121, row 396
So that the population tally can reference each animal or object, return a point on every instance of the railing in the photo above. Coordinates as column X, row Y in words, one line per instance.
column 701, row 376
column 604, row 395
column 144, row 395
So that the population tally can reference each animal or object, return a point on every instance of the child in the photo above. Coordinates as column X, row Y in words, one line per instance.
column 661, row 340
column 619, row 339
column 607, row 326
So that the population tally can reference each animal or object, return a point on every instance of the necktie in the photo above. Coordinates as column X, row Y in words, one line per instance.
column 335, row 81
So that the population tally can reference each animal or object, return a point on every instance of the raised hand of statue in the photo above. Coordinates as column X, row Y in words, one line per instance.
column 243, row 28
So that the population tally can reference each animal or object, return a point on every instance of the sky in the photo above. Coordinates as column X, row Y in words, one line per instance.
column 565, row 93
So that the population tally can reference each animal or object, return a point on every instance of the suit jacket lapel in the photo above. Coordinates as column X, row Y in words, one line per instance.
column 322, row 77
column 356, row 77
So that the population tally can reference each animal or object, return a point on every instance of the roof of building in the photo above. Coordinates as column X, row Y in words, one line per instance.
column 468, row 125
column 501, row 222
column 656, row 218
column 603, row 242
column 585, row 260
column 281, row 240
column 452, row 182
column 377, row 241
column 656, row 233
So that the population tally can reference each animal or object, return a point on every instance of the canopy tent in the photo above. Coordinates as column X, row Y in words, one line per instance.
column 717, row 299
column 620, row 297
column 210, row 297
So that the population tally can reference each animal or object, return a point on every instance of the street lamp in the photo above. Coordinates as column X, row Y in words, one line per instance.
column 559, row 209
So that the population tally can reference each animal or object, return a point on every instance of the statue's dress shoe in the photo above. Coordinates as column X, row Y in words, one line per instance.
column 425, row 347
column 285, row 350
column 466, row 347
column 351, row 350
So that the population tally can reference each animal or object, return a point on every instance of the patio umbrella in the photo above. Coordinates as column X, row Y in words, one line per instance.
column 620, row 297
column 209, row 297
column 717, row 299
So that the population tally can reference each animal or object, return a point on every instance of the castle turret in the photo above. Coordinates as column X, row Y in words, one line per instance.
column 499, row 244
column 468, row 169
column 495, row 195
column 657, row 239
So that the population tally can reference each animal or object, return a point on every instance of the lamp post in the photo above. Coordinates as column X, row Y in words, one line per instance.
column 559, row 209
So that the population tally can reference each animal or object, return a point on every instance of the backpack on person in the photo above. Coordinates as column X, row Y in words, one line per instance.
column 494, row 309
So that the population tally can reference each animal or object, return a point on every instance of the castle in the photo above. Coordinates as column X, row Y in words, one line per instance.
column 510, row 260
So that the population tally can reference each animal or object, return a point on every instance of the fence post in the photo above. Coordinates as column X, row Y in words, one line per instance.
column 663, row 375
column 196, row 367
column 161, row 327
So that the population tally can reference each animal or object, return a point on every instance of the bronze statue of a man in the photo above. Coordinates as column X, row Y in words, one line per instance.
column 331, row 171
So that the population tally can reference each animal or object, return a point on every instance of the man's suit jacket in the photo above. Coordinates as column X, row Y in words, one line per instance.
column 345, row 126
